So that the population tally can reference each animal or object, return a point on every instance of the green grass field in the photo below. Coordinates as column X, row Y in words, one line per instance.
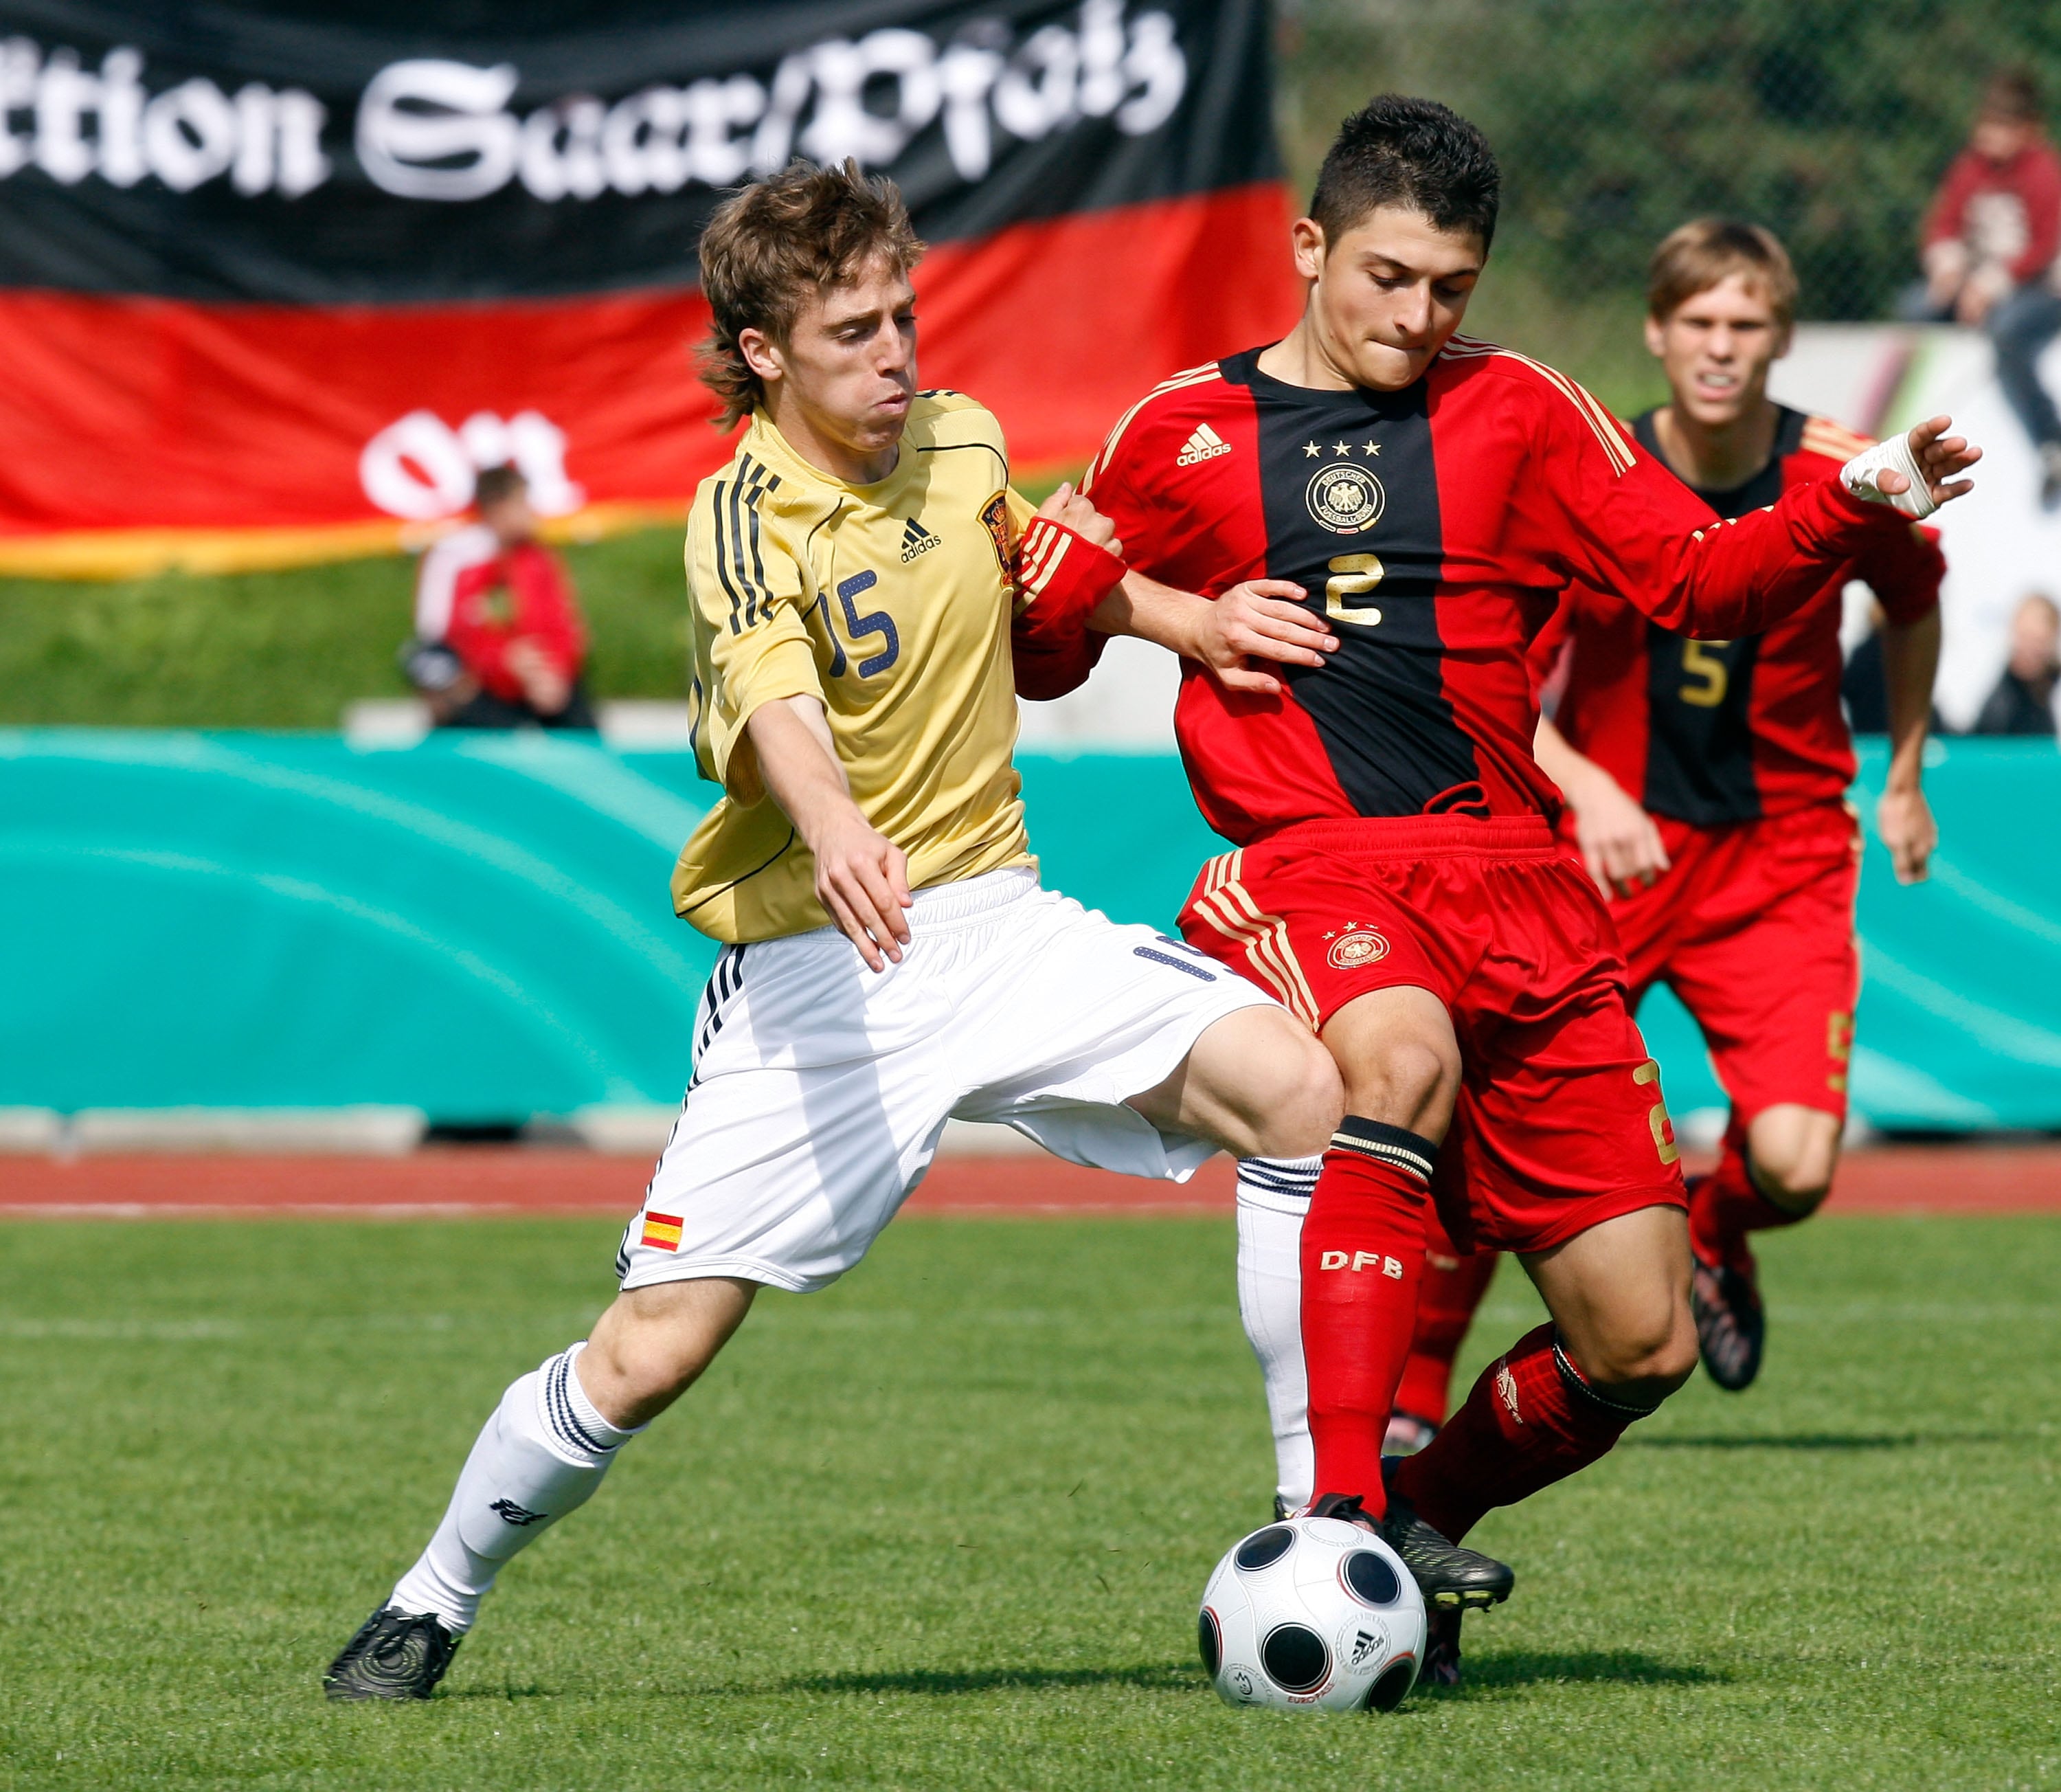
column 945, row 1526
column 290, row 650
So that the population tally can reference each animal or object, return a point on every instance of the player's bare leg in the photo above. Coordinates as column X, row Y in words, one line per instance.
column 1773, row 1171
column 1619, row 1293
column 1793, row 1150
column 1257, row 1083
column 654, row 1343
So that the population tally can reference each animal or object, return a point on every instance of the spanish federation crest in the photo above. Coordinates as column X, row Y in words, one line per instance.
column 995, row 518
column 1346, row 498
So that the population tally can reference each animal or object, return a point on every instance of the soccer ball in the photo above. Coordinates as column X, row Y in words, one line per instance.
column 1312, row 1612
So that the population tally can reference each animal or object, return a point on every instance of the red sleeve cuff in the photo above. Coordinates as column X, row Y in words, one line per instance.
column 1060, row 577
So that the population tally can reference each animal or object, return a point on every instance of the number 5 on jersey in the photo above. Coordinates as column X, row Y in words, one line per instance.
column 1698, row 663
column 874, row 621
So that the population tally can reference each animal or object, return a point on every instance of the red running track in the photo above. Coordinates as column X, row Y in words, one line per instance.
column 480, row 1180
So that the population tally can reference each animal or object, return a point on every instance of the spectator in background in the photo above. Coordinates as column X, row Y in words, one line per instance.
column 2022, row 702
column 1990, row 240
column 500, row 642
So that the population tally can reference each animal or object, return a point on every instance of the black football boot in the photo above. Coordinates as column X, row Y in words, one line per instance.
column 393, row 1656
column 1731, row 1328
column 1451, row 1578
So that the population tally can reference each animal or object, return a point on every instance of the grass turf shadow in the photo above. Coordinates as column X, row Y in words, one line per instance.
column 1151, row 1676
column 1485, row 1674
column 1532, row 1667
column 1820, row 1440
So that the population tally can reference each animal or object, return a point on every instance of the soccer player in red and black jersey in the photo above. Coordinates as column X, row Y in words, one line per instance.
column 1390, row 512
column 1705, row 780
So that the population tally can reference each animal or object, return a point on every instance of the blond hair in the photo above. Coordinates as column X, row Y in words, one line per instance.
column 1708, row 251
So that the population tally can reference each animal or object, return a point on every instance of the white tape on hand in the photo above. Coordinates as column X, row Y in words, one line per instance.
column 1860, row 474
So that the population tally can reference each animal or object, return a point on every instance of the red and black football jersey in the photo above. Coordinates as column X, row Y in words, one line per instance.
column 1436, row 527
column 1715, row 731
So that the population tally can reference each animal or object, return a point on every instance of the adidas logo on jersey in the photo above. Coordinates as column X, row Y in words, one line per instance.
column 1205, row 444
column 916, row 540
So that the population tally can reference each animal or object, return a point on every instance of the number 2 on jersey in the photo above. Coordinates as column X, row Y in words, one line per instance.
column 1697, row 664
column 874, row 621
column 1352, row 576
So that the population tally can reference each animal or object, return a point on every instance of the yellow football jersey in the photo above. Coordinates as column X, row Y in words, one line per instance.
column 892, row 603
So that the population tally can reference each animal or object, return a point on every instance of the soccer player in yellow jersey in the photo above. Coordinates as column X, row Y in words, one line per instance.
column 857, row 570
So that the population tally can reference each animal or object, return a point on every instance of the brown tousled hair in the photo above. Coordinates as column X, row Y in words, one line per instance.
column 1701, row 254
column 772, row 245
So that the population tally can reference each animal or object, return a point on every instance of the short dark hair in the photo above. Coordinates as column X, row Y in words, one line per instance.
column 770, row 245
column 2012, row 92
column 496, row 485
column 1400, row 151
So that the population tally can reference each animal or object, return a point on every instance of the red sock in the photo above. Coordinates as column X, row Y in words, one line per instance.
column 1363, row 1256
column 1453, row 1287
column 1531, row 1420
column 1726, row 1205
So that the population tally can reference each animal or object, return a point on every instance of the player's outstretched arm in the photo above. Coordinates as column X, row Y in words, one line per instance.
column 862, row 876
column 1620, row 845
column 1260, row 620
column 1910, row 659
column 1628, row 526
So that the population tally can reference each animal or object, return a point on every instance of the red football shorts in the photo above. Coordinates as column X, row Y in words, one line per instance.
column 1753, row 927
column 1559, row 1124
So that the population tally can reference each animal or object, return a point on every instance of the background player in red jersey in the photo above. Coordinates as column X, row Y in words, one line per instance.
column 1393, row 516
column 1706, row 784
column 1707, row 779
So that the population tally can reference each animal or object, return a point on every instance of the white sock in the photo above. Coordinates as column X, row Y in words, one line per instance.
column 542, row 1453
column 1272, row 1196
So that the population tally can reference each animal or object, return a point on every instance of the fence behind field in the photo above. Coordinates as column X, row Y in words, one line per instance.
column 1615, row 120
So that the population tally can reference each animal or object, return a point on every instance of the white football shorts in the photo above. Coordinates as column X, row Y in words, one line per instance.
column 821, row 1089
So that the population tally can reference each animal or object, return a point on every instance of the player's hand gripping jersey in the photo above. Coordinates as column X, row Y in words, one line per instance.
column 805, row 585
column 1712, row 731
column 1436, row 528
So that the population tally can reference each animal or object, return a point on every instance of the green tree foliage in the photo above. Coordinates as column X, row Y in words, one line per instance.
column 1618, row 119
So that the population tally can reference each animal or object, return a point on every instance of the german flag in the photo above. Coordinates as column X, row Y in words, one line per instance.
column 662, row 1231
column 176, row 300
